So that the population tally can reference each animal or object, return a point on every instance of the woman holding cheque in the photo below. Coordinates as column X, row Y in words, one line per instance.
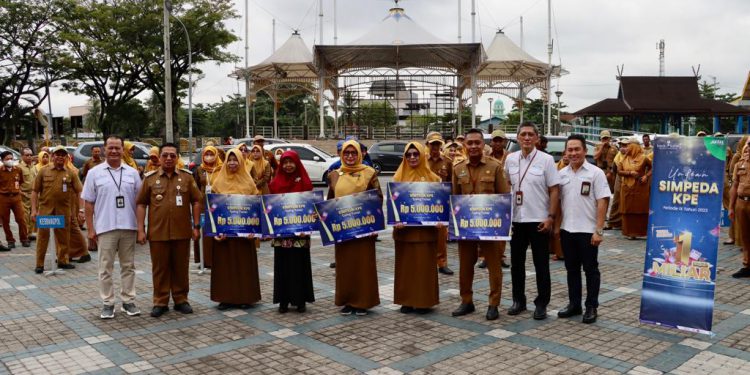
column 234, row 276
column 292, row 272
column 356, row 271
column 416, row 284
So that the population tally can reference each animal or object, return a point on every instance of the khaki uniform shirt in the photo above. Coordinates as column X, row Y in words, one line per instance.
column 487, row 177
column 166, row 220
column 10, row 180
column 29, row 175
column 58, row 191
column 607, row 158
column 91, row 163
column 742, row 177
column 442, row 167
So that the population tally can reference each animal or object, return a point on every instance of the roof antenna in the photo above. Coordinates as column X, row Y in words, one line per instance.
column 697, row 72
column 620, row 69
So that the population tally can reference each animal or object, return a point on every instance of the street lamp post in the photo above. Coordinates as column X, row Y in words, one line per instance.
column 558, row 93
column 169, row 132
column 304, row 101
column 190, row 90
column 489, row 119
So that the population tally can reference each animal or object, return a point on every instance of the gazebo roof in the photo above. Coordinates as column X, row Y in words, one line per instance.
column 506, row 59
column 293, row 60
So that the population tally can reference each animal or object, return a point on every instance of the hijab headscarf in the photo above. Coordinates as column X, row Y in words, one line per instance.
column 460, row 152
column 633, row 161
column 422, row 173
column 295, row 182
column 256, row 166
column 355, row 178
column 150, row 165
column 211, row 168
column 40, row 162
column 126, row 155
column 228, row 182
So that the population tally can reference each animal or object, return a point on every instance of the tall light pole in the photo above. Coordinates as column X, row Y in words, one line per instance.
column 247, row 86
column 489, row 119
column 304, row 101
column 169, row 133
column 190, row 89
column 558, row 93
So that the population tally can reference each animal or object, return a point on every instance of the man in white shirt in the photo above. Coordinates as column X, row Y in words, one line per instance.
column 109, row 194
column 534, row 185
column 585, row 197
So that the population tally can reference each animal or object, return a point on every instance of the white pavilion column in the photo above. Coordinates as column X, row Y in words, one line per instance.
column 321, row 88
column 474, row 99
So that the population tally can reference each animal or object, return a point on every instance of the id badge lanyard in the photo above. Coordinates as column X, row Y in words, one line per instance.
column 519, row 192
column 119, row 199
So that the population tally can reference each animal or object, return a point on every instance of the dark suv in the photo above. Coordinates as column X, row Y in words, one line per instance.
column 386, row 155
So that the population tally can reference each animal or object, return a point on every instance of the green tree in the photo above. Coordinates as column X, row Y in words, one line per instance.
column 375, row 114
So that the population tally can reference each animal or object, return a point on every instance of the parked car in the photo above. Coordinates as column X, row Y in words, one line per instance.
column 315, row 160
column 16, row 154
column 386, row 156
column 555, row 146
column 82, row 153
column 268, row 141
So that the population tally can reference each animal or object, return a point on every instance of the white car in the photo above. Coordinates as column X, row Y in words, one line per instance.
column 315, row 160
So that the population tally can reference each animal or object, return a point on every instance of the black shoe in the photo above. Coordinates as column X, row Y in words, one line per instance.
column 463, row 309
column 283, row 308
column 482, row 264
column 301, row 308
column 347, row 310
column 183, row 308
column 516, row 308
column 66, row 266
column 569, row 311
column 39, row 270
column 492, row 313
column 32, row 237
column 505, row 265
column 540, row 313
column 11, row 245
column 406, row 309
column 4, row 248
column 332, row 265
column 84, row 259
column 590, row 315
column 743, row 272
column 360, row 312
column 224, row 306
column 26, row 243
column 422, row 310
column 158, row 311
column 445, row 270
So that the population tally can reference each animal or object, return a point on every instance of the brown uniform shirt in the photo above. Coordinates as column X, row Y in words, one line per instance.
column 29, row 174
column 58, row 190
column 606, row 159
column 442, row 167
column 91, row 163
column 485, row 178
column 742, row 176
column 166, row 220
column 10, row 180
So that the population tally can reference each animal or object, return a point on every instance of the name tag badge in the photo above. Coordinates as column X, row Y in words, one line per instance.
column 208, row 189
column 65, row 188
column 17, row 185
column 178, row 201
column 519, row 198
column 585, row 188
column 120, row 201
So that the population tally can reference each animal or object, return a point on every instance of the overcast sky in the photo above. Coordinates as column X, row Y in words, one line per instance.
column 592, row 37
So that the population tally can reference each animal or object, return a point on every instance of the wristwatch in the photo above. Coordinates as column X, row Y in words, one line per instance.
column 600, row 232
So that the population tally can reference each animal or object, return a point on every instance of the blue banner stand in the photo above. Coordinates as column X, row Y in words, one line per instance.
column 51, row 222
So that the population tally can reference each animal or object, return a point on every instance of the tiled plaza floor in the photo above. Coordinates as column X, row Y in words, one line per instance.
column 51, row 325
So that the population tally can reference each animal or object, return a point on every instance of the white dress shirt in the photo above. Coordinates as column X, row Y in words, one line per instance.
column 101, row 188
column 540, row 175
column 579, row 210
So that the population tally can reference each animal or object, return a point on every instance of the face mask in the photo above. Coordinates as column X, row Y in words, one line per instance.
column 8, row 163
column 209, row 159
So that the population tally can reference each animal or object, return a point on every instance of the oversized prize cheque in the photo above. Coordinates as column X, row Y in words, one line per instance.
column 233, row 215
column 418, row 203
column 480, row 217
column 291, row 214
column 349, row 217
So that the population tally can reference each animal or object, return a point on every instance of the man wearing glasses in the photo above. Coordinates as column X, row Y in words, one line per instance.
column 171, row 196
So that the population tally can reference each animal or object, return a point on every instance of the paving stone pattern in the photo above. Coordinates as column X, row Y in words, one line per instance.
column 51, row 325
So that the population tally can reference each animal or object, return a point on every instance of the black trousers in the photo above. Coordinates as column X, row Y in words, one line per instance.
column 578, row 252
column 523, row 235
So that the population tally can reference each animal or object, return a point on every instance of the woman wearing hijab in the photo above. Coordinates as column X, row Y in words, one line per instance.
column 210, row 163
column 153, row 160
column 292, row 272
column 127, row 155
column 260, row 169
column 635, row 173
column 234, row 273
column 416, row 284
column 455, row 151
column 42, row 160
column 356, row 271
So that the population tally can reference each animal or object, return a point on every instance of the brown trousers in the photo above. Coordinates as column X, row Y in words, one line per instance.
column 13, row 203
column 468, row 252
column 615, row 217
column 170, row 262
column 742, row 220
column 77, row 244
column 62, row 238
column 30, row 224
column 442, row 247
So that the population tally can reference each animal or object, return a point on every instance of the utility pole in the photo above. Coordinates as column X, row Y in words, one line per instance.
column 335, row 26
column 320, row 21
column 273, row 35
column 169, row 133
column 549, row 61
column 459, row 21
column 521, row 44
column 473, row 21
column 660, row 46
column 247, row 85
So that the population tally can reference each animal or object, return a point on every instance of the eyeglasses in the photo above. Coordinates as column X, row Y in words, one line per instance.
column 169, row 156
column 412, row 155
column 350, row 153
